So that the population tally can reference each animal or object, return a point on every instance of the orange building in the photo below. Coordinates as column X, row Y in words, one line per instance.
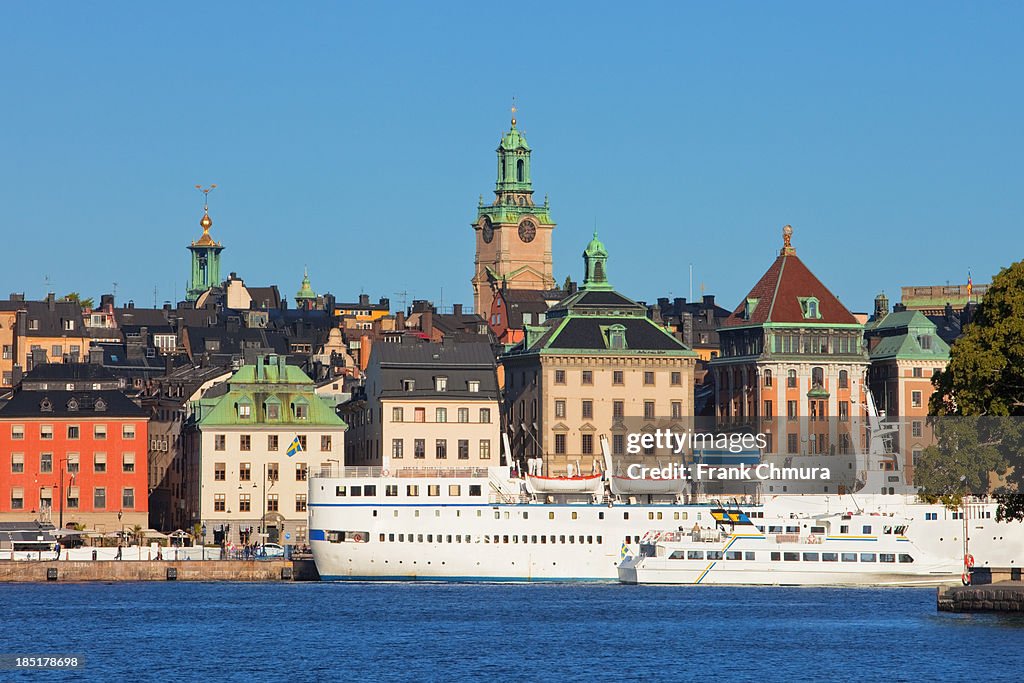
column 39, row 331
column 793, row 359
column 74, row 457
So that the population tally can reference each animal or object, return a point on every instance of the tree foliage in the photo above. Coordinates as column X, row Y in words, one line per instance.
column 75, row 297
column 979, row 404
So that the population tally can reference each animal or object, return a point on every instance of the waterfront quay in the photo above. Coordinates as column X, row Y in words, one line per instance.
column 269, row 570
column 1003, row 596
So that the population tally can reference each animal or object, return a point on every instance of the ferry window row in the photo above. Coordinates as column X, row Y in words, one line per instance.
column 411, row 490
column 790, row 556
column 495, row 538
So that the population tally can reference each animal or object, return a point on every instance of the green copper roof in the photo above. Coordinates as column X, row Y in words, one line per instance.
column 306, row 291
column 257, row 392
column 595, row 260
column 513, row 140
column 908, row 335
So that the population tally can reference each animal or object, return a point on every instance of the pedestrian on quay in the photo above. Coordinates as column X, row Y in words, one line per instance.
column 56, row 550
column 120, row 546
column 160, row 552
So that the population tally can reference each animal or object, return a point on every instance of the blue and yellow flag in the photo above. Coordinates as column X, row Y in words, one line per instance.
column 294, row 447
column 624, row 552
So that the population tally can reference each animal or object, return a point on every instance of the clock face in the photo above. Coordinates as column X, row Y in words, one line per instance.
column 527, row 230
column 486, row 229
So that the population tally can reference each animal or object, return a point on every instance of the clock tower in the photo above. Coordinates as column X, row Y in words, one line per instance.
column 513, row 235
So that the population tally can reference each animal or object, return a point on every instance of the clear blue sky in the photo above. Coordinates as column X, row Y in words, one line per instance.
column 355, row 138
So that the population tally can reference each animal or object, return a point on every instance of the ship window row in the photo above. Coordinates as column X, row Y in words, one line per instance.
column 411, row 490
column 790, row 556
column 488, row 538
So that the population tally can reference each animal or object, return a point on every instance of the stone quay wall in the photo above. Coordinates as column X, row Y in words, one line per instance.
column 157, row 570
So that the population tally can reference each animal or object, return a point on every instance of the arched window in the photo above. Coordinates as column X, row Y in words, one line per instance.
column 767, row 378
column 844, row 379
column 817, row 377
column 520, row 170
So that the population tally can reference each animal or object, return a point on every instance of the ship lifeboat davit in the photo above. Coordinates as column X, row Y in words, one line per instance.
column 591, row 483
column 628, row 486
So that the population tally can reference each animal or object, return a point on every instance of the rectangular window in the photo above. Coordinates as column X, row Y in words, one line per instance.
column 72, row 497
column 17, row 463
column 273, row 411
column 916, row 428
column 127, row 462
column 99, row 498
column 560, row 444
column 99, row 462
column 73, row 431
column 791, row 410
column 301, row 471
column 218, row 502
column 588, row 377
column 474, row 386
column 245, row 502
column 128, row 432
column 302, row 442
column 560, row 408
column 441, row 448
column 648, row 378
column 73, row 462
column 398, row 414
column 301, row 411
column 220, row 471
column 244, row 442
column 244, row 471
column 677, row 379
column 587, row 443
column 441, row 415
column 17, row 432
column 273, row 472
column 618, row 409
column 128, row 497
column 791, row 443
column 272, row 502
column 244, row 411
column 485, row 449
column 300, row 502
column 463, row 414
column 618, row 377
column 219, row 442
column 440, row 384
column 99, row 432
column 485, row 415
column 648, row 410
column 588, row 409
column 46, row 432
column 463, row 449
column 844, row 411
column 559, row 376
column 272, row 442
column 397, row 448
column 419, row 449
column 45, row 463
column 325, row 443
column 618, row 444
column 915, row 399
column 677, row 410
column 767, row 410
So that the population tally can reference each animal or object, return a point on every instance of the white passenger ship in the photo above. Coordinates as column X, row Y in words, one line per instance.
column 493, row 524
column 843, row 549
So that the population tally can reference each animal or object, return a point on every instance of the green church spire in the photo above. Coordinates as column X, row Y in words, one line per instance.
column 514, row 162
column 306, row 290
column 595, row 260
column 205, row 254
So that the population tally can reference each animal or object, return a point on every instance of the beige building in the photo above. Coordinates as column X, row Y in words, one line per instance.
column 257, row 443
column 426, row 405
column 597, row 366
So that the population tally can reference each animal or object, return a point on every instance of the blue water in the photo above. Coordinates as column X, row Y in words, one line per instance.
column 454, row 632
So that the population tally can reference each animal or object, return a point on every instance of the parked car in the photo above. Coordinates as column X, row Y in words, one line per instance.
column 270, row 550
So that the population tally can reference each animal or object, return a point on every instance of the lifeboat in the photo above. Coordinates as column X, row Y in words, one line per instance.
column 591, row 483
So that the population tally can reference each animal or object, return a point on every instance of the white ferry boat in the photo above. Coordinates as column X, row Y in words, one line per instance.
column 493, row 524
column 842, row 549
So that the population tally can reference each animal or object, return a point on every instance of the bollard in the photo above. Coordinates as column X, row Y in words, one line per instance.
column 93, row 554
column 51, row 573
column 172, row 574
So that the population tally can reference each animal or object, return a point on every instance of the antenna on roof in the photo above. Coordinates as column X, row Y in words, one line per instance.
column 405, row 297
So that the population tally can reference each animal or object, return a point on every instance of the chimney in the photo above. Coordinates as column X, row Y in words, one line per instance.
column 400, row 321
column 96, row 355
column 364, row 299
column 709, row 300
column 427, row 323
column 948, row 312
column 457, row 310
column 687, row 324
column 51, row 301
column 259, row 367
column 106, row 302
column 131, row 304
column 385, row 302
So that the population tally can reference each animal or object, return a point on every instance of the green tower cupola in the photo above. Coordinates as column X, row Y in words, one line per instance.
column 595, row 260
column 305, row 297
column 205, row 254
column 514, row 162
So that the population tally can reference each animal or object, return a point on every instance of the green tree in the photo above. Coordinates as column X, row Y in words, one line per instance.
column 137, row 534
column 984, row 379
column 75, row 297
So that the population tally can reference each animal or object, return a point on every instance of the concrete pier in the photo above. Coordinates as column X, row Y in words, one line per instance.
column 157, row 570
column 1004, row 596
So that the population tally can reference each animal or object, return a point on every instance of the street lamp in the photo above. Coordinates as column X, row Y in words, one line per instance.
column 204, row 541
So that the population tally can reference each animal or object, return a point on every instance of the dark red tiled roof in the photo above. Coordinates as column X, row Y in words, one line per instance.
column 779, row 292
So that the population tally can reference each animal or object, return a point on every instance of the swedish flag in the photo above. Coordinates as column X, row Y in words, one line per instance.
column 624, row 552
column 294, row 447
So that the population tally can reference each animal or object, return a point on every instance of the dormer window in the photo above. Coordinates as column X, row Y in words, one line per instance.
column 244, row 411
column 617, row 337
column 272, row 408
column 473, row 386
column 408, row 385
column 46, row 406
column 69, row 325
column 73, row 405
column 749, row 307
column 926, row 341
column 440, row 384
column 300, row 409
column 100, row 405
column 809, row 308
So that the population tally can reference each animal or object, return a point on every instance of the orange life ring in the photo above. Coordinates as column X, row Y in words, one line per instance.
column 966, row 578
column 358, row 538
column 385, row 473
column 969, row 561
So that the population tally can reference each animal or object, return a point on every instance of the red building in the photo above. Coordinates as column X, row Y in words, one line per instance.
column 73, row 456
